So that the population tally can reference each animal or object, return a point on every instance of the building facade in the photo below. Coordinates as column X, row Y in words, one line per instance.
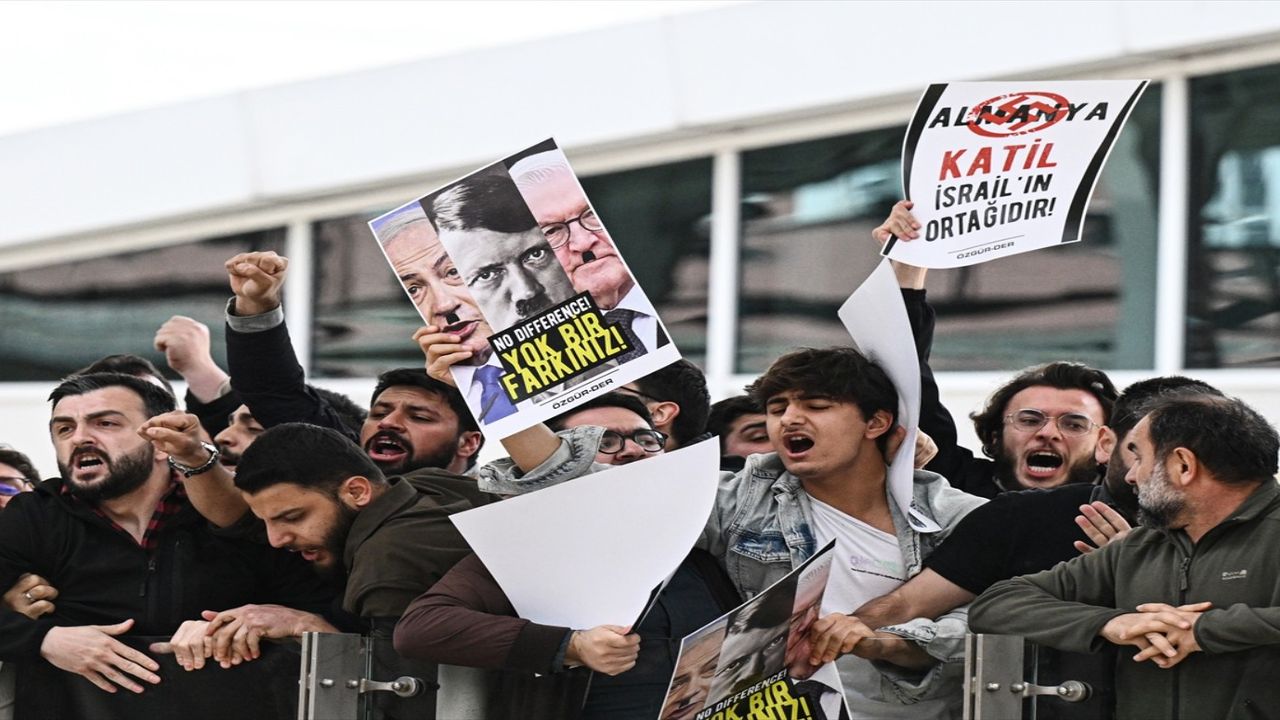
column 739, row 156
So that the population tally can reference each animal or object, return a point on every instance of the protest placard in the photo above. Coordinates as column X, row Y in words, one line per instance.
column 999, row 168
column 514, row 262
column 754, row 661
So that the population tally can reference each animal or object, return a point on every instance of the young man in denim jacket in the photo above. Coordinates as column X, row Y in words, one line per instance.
column 831, row 419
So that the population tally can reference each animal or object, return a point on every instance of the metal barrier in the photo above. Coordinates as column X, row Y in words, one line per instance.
column 356, row 677
column 1002, row 674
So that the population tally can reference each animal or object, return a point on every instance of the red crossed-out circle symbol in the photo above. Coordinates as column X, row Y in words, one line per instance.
column 1017, row 114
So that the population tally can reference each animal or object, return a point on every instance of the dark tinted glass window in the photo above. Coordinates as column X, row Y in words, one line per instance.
column 1233, row 262
column 59, row 318
column 661, row 219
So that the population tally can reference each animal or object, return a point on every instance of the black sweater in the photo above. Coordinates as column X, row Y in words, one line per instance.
column 104, row 577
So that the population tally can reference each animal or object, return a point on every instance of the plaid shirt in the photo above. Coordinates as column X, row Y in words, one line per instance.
column 173, row 501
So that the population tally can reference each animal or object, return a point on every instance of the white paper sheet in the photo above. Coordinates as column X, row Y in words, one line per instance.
column 877, row 321
column 589, row 551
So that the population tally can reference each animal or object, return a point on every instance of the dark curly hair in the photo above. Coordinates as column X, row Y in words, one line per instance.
column 682, row 383
column 989, row 423
column 841, row 373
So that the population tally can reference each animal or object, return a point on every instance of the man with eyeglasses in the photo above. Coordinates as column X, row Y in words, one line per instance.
column 17, row 474
column 583, row 246
column 677, row 397
column 1039, row 430
column 465, row 619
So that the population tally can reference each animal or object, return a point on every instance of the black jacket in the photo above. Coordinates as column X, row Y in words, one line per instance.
column 974, row 475
column 104, row 577
column 265, row 372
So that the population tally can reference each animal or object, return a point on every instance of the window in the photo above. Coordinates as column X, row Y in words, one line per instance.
column 1233, row 253
column 363, row 322
column 59, row 318
column 660, row 217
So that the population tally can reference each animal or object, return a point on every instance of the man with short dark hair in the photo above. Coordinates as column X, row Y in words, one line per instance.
column 414, row 421
column 242, row 428
column 739, row 423
column 128, row 364
column 1032, row 530
column 311, row 486
column 1041, row 428
column 116, row 535
column 386, row 539
column 467, row 619
column 677, row 397
column 831, row 414
column 1194, row 587
column 625, row 440
column 17, row 474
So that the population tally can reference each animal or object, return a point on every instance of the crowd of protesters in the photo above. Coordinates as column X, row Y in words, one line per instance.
column 1125, row 530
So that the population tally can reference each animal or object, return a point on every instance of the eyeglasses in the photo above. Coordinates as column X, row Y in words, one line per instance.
column 1071, row 424
column 10, row 486
column 558, row 233
column 650, row 441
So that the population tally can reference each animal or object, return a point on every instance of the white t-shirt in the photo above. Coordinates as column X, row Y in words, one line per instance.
column 868, row 563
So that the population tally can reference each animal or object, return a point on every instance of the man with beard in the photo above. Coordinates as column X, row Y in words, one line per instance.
column 414, row 421
column 1039, row 430
column 1193, row 589
column 388, row 538
column 118, row 538
column 1023, row 532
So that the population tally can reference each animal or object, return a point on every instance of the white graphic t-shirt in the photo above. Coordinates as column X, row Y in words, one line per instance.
column 868, row 563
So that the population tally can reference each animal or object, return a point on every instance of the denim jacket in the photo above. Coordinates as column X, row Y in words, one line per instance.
column 574, row 458
column 761, row 528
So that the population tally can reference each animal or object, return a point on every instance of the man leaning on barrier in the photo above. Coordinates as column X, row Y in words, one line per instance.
column 1193, row 590
column 118, row 538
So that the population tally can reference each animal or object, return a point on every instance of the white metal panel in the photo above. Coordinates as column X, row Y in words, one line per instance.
column 1165, row 26
column 1171, row 261
column 779, row 58
column 123, row 169
column 462, row 110
column 632, row 86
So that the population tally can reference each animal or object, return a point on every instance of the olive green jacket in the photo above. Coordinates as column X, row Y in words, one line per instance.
column 1235, row 566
